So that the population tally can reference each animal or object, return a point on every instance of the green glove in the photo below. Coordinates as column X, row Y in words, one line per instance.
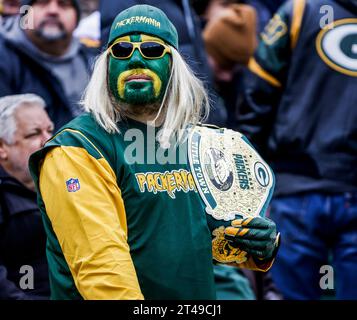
column 257, row 236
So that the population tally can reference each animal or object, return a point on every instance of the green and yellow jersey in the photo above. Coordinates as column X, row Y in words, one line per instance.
column 117, row 229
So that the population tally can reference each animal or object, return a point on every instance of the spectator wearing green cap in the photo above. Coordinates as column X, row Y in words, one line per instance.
column 120, row 227
column 192, row 48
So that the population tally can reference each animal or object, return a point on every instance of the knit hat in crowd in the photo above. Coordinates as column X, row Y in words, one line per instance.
column 74, row 2
column 230, row 36
column 144, row 19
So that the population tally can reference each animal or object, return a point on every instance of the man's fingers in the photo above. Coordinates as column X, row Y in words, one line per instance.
column 250, row 244
column 248, row 234
column 241, row 222
column 253, row 222
column 236, row 232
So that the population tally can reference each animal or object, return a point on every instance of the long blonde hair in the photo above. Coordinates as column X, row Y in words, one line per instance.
column 185, row 102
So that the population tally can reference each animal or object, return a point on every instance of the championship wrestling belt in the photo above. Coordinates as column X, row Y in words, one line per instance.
column 233, row 181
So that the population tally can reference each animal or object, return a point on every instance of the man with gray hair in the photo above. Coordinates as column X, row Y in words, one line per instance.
column 24, row 128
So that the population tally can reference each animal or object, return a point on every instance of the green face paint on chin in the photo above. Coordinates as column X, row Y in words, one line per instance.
column 137, row 80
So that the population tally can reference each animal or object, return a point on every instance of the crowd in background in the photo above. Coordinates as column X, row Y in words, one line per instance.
column 267, row 77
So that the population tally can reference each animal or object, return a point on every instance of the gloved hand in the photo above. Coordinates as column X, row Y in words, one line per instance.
column 257, row 236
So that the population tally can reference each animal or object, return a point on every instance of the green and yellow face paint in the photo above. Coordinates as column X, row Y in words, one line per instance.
column 136, row 79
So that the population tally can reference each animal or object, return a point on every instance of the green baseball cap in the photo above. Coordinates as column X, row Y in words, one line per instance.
column 144, row 19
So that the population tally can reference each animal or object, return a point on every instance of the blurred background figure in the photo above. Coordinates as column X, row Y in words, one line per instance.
column 191, row 45
column 88, row 30
column 8, row 10
column 9, row 7
column 264, row 8
column 230, row 32
column 43, row 57
column 230, row 36
column 88, row 7
column 300, row 112
column 24, row 128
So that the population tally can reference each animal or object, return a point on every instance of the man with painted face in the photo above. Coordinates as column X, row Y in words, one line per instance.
column 121, row 222
column 183, row 17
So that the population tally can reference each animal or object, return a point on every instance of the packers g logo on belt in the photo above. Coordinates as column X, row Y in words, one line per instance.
column 337, row 47
column 261, row 174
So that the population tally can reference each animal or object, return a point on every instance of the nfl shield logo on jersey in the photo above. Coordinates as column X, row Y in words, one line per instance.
column 73, row 185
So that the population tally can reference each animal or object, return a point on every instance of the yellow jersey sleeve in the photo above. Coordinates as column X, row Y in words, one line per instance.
column 89, row 222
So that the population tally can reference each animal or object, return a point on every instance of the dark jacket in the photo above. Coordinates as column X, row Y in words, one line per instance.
column 22, row 241
column 191, row 44
column 22, row 73
column 301, row 99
